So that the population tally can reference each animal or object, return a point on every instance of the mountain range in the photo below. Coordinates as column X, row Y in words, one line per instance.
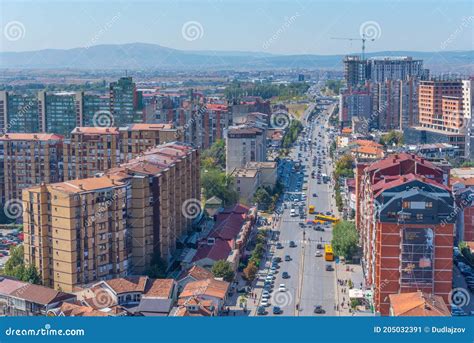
column 142, row 56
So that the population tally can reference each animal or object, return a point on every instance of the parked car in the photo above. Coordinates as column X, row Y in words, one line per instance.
column 318, row 309
column 261, row 311
column 329, row 268
column 285, row 275
column 318, row 254
column 277, row 310
column 292, row 244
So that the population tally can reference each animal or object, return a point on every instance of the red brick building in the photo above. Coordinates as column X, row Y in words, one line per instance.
column 406, row 228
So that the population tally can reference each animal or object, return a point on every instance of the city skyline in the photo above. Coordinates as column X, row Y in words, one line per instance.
column 215, row 25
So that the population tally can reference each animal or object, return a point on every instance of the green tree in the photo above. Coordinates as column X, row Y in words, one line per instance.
column 391, row 138
column 250, row 272
column 217, row 183
column 344, row 167
column 345, row 239
column 158, row 267
column 223, row 269
column 15, row 267
column 214, row 156
column 262, row 198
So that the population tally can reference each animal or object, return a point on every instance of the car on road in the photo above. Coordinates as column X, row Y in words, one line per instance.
column 318, row 309
column 245, row 289
column 285, row 275
column 277, row 259
column 277, row 310
column 264, row 303
column 318, row 254
column 261, row 311
column 292, row 244
column 319, row 228
column 282, row 288
column 279, row 246
column 319, row 246
column 287, row 258
column 315, row 195
column 329, row 268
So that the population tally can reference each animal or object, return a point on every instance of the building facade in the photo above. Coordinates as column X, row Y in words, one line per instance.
column 403, row 216
column 28, row 159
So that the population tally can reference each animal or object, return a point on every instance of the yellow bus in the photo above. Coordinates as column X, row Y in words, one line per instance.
column 311, row 209
column 325, row 218
column 328, row 254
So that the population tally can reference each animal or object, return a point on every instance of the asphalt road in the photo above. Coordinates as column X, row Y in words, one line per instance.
column 309, row 284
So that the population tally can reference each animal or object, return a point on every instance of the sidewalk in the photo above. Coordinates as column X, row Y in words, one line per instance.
column 346, row 272
column 250, row 301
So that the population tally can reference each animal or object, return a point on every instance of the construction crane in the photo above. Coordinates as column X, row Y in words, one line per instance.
column 363, row 39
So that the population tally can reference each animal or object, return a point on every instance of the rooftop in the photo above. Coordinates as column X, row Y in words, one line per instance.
column 93, row 130
column 30, row 137
column 208, row 287
column 418, row 304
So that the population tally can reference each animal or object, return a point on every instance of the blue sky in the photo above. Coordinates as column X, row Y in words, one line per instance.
column 284, row 27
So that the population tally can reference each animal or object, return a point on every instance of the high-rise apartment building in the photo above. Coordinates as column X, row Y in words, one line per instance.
column 60, row 112
column 137, row 138
column 355, row 71
column 395, row 68
column 28, row 159
column 467, row 107
column 354, row 102
column 76, row 232
column 405, row 220
column 91, row 150
column 246, row 143
column 165, row 185
column 18, row 113
column 84, row 230
column 93, row 107
column 123, row 101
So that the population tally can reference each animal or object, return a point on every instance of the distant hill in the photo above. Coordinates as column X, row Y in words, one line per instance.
column 141, row 56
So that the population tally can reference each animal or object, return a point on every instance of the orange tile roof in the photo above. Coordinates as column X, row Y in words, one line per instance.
column 197, row 273
column 346, row 130
column 209, row 287
column 92, row 130
column 154, row 127
column 90, row 184
column 129, row 284
column 159, row 288
column 418, row 304
column 30, row 137
column 75, row 310
column 366, row 142
column 369, row 150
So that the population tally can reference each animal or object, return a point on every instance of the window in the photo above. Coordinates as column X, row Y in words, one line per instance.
column 429, row 204
column 419, row 216
column 406, row 204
